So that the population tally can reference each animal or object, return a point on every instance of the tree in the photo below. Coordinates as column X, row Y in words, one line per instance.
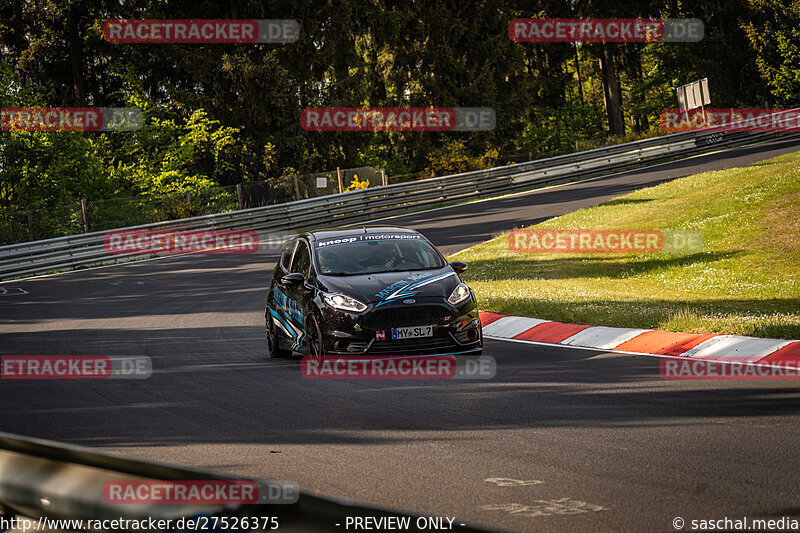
column 773, row 29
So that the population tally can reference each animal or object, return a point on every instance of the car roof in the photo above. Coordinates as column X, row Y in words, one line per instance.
column 356, row 230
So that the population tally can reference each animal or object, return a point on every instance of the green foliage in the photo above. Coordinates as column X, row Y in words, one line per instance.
column 774, row 33
column 39, row 169
column 218, row 115
column 454, row 158
column 166, row 163
column 554, row 131
column 166, row 157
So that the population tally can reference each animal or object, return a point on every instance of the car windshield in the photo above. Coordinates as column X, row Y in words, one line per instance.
column 373, row 256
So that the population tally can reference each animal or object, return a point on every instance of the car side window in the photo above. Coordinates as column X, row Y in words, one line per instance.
column 286, row 254
column 302, row 259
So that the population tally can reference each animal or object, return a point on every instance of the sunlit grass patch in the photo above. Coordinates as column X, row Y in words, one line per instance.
column 744, row 281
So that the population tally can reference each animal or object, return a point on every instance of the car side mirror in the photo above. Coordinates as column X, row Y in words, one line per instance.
column 458, row 266
column 292, row 280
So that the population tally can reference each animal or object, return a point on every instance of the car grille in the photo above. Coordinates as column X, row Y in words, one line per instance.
column 430, row 345
column 408, row 315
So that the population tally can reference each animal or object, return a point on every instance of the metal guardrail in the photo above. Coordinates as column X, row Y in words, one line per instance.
column 87, row 250
column 40, row 478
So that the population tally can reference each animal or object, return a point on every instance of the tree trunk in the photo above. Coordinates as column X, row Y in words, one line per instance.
column 633, row 67
column 578, row 72
column 76, row 56
column 612, row 95
column 380, row 86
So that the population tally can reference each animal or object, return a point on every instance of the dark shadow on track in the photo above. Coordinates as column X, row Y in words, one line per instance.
column 221, row 391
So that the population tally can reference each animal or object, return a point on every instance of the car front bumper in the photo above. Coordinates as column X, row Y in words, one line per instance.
column 456, row 329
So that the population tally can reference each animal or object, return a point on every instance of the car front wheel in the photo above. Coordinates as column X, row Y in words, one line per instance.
column 315, row 344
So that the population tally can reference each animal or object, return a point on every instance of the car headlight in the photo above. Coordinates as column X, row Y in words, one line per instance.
column 459, row 294
column 343, row 302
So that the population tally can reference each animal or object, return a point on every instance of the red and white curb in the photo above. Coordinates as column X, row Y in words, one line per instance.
column 732, row 348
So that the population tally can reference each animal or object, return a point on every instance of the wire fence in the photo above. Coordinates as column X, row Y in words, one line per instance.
column 101, row 215
column 356, row 206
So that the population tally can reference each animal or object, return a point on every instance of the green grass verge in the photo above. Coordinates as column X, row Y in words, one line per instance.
column 744, row 281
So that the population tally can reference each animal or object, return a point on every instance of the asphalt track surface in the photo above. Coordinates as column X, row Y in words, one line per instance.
column 601, row 441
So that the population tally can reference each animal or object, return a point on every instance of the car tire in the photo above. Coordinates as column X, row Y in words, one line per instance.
column 315, row 344
column 274, row 350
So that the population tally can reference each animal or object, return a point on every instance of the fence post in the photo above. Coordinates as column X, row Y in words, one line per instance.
column 296, row 188
column 189, row 198
column 383, row 177
column 84, row 210
column 339, row 175
column 30, row 225
column 239, row 195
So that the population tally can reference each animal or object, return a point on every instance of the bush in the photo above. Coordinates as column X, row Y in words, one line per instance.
column 454, row 158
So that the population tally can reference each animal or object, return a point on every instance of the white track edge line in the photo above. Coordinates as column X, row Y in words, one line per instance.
column 660, row 356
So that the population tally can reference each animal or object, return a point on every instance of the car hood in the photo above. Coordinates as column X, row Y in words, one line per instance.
column 386, row 287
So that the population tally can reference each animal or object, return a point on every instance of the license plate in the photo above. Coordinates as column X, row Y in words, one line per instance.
column 412, row 332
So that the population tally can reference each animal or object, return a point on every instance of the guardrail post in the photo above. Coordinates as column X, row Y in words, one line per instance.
column 30, row 225
column 84, row 210
column 239, row 195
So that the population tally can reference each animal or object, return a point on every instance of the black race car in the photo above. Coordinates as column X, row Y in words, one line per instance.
column 369, row 290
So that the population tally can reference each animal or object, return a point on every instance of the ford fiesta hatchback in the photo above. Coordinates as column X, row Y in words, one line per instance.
column 369, row 290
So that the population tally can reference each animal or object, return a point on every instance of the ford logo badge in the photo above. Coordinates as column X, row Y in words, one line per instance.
column 409, row 301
